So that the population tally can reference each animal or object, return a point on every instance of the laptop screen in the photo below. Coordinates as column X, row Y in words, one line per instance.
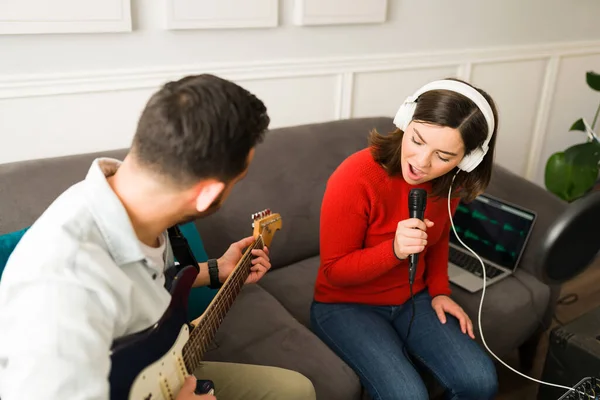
column 493, row 229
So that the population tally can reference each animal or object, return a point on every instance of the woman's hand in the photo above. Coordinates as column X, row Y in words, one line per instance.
column 444, row 304
column 411, row 237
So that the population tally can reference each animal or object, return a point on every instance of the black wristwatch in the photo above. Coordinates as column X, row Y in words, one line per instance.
column 213, row 273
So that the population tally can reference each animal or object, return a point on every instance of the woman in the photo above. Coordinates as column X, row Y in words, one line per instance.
column 362, row 304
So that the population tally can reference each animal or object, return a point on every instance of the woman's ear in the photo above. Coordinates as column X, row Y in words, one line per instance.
column 207, row 192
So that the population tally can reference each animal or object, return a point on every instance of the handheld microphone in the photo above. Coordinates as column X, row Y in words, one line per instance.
column 417, row 200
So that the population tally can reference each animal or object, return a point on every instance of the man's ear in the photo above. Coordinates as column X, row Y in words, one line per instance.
column 207, row 192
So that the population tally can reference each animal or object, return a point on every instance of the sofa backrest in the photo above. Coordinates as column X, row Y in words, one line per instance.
column 520, row 191
column 288, row 176
column 27, row 188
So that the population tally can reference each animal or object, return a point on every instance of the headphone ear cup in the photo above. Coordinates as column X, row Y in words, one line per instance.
column 405, row 114
column 471, row 160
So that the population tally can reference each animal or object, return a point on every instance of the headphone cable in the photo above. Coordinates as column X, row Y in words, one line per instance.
column 481, row 305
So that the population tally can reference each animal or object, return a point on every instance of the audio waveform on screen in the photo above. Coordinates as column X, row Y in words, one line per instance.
column 473, row 236
column 482, row 217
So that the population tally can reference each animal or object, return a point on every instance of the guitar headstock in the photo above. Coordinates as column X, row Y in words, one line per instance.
column 265, row 224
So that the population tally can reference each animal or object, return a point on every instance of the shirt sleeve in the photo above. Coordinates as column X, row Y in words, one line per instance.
column 436, row 260
column 344, row 222
column 55, row 342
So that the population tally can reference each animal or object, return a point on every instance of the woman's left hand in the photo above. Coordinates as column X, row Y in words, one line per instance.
column 444, row 304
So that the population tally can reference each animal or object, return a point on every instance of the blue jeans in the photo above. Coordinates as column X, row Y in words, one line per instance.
column 370, row 338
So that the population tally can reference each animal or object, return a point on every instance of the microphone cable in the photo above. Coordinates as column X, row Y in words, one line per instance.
column 412, row 318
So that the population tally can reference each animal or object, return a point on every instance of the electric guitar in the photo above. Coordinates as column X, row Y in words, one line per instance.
column 153, row 363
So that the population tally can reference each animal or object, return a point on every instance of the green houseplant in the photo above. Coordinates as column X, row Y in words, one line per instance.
column 571, row 173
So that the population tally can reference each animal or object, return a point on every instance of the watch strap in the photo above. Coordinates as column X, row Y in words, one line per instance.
column 213, row 273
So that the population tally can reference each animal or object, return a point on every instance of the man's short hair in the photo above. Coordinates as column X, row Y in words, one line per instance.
column 199, row 127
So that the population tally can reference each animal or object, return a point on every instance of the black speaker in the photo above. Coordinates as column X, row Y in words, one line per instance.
column 573, row 354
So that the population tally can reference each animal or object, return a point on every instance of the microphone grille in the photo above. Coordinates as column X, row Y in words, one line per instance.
column 417, row 198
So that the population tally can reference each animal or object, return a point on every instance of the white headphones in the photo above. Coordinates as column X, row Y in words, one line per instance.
column 407, row 109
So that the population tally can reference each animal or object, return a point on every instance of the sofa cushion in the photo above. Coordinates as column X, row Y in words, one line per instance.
column 512, row 310
column 8, row 242
column 200, row 297
column 293, row 286
column 258, row 330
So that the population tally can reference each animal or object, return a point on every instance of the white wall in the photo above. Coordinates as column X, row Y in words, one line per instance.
column 72, row 92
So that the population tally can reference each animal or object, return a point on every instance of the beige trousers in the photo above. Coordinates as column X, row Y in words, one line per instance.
column 250, row 382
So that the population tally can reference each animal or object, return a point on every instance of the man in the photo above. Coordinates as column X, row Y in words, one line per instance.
column 91, row 268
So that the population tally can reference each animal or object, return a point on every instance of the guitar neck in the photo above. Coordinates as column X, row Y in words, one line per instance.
column 203, row 334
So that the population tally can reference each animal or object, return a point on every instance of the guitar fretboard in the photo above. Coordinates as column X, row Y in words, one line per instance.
column 204, row 333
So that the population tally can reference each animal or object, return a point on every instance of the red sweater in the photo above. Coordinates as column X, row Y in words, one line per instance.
column 361, row 208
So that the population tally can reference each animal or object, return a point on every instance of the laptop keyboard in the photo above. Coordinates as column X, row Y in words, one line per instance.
column 472, row 264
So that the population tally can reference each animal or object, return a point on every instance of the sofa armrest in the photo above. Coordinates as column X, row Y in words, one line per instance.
column 522, row 192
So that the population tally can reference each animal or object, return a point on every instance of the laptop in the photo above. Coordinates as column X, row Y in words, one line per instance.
column 497, row 231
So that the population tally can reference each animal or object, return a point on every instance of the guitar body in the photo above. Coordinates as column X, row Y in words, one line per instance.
column 149, row 365
column 153, row 364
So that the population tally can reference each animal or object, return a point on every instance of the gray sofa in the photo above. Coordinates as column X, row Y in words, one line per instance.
column 269, row 322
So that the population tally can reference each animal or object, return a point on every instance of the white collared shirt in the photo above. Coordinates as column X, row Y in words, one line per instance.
column 77, row 280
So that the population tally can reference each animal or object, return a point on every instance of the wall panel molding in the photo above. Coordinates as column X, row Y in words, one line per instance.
column 15, row 86
column 64, row 16
column 542, row 116
column 335, row 12
column 221, row 14
column 342, row 78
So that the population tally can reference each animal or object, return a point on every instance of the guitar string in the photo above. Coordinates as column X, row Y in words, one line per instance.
column 208, row 326
column 190, row 356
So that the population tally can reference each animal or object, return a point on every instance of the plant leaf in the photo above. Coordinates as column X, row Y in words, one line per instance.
column 578, row 125
column 583, row 154
column 583, row 159
column 557, row 175
column 570, row 174
column 593, row 80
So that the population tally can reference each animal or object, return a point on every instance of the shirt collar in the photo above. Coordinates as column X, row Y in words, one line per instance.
column 110, row 214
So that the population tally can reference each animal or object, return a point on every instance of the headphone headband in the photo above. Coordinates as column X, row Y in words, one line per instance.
column 467, row 91
column 407, row 109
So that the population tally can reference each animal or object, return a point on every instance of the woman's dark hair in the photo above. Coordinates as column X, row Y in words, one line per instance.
column 451, row 109
column 199, row 127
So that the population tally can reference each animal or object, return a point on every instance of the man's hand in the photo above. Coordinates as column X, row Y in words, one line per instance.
column 260, row 263
column 187, row 391
column 444, row 304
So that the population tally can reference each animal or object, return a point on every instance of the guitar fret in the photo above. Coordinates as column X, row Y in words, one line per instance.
column 202, row 336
